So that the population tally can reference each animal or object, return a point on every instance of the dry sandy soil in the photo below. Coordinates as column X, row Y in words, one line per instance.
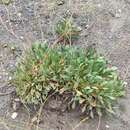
column 103, row 23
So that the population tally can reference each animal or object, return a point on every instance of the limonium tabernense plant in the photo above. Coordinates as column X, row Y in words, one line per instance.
column 67, row 31
column 91, row 83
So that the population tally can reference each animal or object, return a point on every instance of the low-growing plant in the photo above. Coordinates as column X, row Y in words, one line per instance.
column 81, row 73
column 66, row 31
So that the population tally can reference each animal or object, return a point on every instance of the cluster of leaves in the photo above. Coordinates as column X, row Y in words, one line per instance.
column 82, row 73
column 67, row 31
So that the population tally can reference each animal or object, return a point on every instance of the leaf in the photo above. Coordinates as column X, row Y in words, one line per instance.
column 81, row 100
column 78, row 93
column 61, row 91
column 39, row 87
column 91, row 114
column 93, row 103
column 38, row 95
column 84, row 108
column 94, row 87
column 110, row 110
column 76, row 85
column 111, row 97
column 73, row 105
column 99, row 111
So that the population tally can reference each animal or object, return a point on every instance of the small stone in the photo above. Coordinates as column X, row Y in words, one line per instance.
column 10, row 78
column 125, row 84
column 60, row 2
column 117, row 15
column 79, row 29
column 6, row 74
column 19, row 14
column 110, row 37
column 7, row 21
column 11, row 65
column 119, row 10
column 14, row 115
column 107, row 126
column 13, row 48
column 86, row 26
column 22, row 37
column 98, row 5
column 17, row 99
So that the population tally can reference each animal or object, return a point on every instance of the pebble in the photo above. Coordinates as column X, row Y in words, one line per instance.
column 6, row 74
column 17, row 99
column 19, row 14
column 119, row 10
column 14, row 115
column 99, row 5
column 13, row 48
column 22, row 37
column 86, row 26
column 125, row 84
column 107, row 126
column 11, row 65
column 10, row 78
column 110, row 37
column 79, row 29
column 117, row 15
column 7, row 21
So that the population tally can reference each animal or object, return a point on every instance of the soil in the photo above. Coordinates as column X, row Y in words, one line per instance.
column 104, row 24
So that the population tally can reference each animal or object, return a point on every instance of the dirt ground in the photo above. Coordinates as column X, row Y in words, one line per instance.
column 103, row 23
